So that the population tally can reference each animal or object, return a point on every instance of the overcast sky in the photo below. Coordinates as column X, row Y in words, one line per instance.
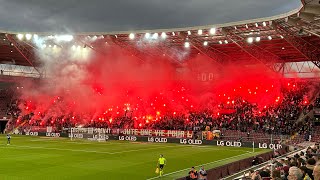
column 127, row 15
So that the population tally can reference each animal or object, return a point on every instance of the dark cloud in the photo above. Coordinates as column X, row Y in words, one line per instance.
column 124, row 15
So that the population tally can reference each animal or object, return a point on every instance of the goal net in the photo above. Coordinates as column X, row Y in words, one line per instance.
column 93, row 134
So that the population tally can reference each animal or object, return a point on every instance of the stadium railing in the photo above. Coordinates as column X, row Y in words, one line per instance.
column 232, row 168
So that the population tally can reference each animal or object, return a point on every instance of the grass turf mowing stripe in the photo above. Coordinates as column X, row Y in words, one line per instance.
column 87, row 151
column 27, row 163
column 119, row 152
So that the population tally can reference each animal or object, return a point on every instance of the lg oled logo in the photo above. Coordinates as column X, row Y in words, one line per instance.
column 79, row 136
column 32, row 133
column 127, row 138
column 53, row 134
column 159, row 140
column 190, row 141
column 229, row 143
column 270, row 146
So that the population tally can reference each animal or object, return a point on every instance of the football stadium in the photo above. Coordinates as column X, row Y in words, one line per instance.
column 143, row 90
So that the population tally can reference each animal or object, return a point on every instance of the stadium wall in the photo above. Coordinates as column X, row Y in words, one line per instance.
column 155, row 139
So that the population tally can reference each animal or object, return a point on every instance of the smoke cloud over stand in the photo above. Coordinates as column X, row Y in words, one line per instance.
column 86, row 85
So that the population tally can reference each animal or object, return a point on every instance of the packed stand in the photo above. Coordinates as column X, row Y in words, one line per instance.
column 302, row 166
column 278, row 118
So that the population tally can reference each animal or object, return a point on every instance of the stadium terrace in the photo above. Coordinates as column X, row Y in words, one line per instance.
column 204, row 102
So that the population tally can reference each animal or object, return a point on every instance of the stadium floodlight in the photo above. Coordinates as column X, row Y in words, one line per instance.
column 250, row 40
column 163, row 35
column 155, row 36
column 213, row 31
column 205, row 43
column 247, row 26
column 28, row 36
column 173, row 33
column 147, row 35
column 269, row 37
column 94, row 38
column 73, row 47
column 189, row 32
column 257, row 25
column 35, row 37
column 220, row 42
column 258, row 39
column 116, row 36
column 186, row 44
column 20, row 36
column 226, row 41
column 281, row 36
column 200, row 32
column 44, row 46
column 264, row 24
column 50, row 46
column 131, row 36
column 65, row 38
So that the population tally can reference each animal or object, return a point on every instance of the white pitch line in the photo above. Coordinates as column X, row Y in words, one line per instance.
column 59, row 149
column 134, row 150
column 75, row 150
column 74, row 142
column 199, row 165
column 112, row 142
column 107, row 143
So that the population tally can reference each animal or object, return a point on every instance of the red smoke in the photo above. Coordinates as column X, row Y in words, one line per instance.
column 114, row 84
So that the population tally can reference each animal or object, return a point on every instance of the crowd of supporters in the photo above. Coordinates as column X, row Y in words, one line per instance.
column 302, row 166
column 197, row 175
column 277, row 118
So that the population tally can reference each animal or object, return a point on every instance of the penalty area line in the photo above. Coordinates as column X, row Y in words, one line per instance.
column 213, row 162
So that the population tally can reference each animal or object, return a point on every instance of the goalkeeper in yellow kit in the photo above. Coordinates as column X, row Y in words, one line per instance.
column 161, row 163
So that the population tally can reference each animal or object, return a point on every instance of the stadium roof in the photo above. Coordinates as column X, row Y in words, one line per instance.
column 282, row 42
column 74, row 16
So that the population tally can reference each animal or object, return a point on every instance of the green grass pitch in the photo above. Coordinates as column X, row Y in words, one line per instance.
column 41, row 158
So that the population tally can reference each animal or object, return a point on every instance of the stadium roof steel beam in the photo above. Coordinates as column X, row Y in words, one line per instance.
column 158, row 49
column 306, row 48
column 145, row 50
column 23, row 51
column 166, row 52
column 205, row 50
column 127, row 48
column 300, row 67
column 304, row 69
column 264, row 57
column 90, row 46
